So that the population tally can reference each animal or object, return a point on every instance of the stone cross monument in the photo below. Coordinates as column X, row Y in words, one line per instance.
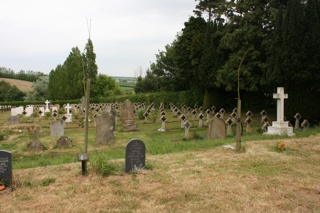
column 280, row 127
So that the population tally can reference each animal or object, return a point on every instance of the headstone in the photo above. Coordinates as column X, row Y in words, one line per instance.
column 222, row 111
column 64, row 142
column 6, row 167
column 36, row 145
column 13, row 120
column 280, row 127
column 187, row 126
column 248, row 127
column 135, row 155
column 305, row 124
column 127, row 116
column 17, row 111
column 229, row 127
column 105, row 129
column 69, row 114
column 297, row 123
column 47, row 106
column 28, row 111
column 216, row 129
column 163, row 123
column 57, row 128
column 200, row 116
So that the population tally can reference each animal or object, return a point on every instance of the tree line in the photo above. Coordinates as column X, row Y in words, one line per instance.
column 279, row 41
column 21, row 75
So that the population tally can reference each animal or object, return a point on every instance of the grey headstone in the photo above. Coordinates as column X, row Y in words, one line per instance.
column 135, row 155
column 13, row 120
column 57, row 128
column 36, row 145
column 216, row 129
column 104, row 128
column 6, row 167
column 64, row 142
column 127, row 116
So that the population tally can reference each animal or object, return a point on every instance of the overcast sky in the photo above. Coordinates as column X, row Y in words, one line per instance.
column 38, row 35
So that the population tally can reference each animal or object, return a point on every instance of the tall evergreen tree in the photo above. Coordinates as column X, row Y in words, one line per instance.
column 89, row 57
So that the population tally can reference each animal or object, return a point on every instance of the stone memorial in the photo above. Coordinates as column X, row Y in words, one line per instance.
column 36, row 145
column 13, row 120
column 69, row 114
column 47, row 106
column 64, row 142
column 57, row 128
column 135, row 155
column 17, row 111
column 6, row 167
column 127, row 116
column 28, row 111
column 216, row 129
column 105, row 128
column 187, row 126
column 280, row 127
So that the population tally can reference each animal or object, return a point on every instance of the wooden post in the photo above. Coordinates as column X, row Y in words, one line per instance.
column 84, row 162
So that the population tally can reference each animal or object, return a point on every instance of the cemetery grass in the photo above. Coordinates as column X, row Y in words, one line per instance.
column 181, row 175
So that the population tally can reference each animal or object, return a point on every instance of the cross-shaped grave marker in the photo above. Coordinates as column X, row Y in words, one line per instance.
column 280, row 96
column 47, row 106
column 187, row 126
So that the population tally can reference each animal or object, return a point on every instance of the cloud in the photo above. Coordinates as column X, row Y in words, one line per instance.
column 38, row 35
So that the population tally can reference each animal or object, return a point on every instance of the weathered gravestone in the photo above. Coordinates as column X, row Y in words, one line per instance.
column 64, row 142
column 57, row 128
column 105, row 124
column 13, row 120
column 216, row 129
column 135, row 155
column 6, row 167
column 127, row 116
column 36, row 145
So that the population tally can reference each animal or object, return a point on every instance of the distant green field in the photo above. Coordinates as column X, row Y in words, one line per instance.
column 126, row 84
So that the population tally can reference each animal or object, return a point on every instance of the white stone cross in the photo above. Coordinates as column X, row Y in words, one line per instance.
column 47, row 106
column 68, row 107
column 280, row 96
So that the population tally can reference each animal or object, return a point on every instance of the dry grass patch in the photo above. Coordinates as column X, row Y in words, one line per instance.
column 24, row 86
column 214, row 180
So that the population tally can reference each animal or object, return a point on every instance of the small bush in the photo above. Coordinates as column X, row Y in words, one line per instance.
column 101, row 165
column 48, row 181
column 140, row 114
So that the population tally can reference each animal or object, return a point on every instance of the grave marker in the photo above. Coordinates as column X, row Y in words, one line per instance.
column 187, row 126
column 216, row 129
column 6, row 167
column 280, row 127
column 135, row 155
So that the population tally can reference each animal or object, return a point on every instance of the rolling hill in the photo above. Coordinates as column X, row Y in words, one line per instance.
column 24, row 86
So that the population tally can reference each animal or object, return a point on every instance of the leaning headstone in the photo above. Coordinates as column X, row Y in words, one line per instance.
column 13, row 120
column 36, row 145
column 6, row 167
column 216, row 129
column 305, row 124
column 135, row 155
column 64, row 142
column 105, row 129
column 57, row 128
